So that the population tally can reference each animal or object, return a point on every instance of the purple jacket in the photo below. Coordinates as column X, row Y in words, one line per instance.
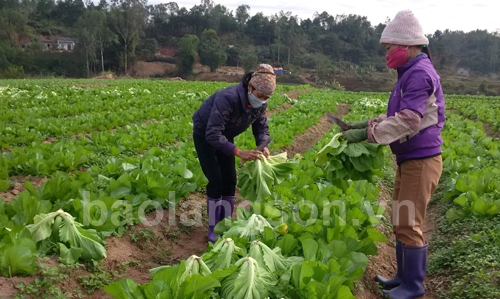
column 419, row 89
column 225, row 115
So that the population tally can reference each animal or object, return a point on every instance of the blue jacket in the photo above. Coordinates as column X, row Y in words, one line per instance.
column 225, row 115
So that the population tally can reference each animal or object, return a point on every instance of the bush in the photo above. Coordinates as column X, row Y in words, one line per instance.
column 12, row 72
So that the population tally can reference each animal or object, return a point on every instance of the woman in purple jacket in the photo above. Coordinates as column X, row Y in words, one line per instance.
column 412, row 126
column 223, row 116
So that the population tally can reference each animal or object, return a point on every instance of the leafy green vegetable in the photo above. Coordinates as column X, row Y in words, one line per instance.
column 71, row 232
column 251, row 228
column 223, row 254
column 17, row 260
column 355, row 161
column 249, row 281
column 194, row 265
column 271, row 260
column 257, row 178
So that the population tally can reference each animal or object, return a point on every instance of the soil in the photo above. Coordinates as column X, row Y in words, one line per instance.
column 490, row 132
column 18, row 186
column 144, row 69
column 306, row 140
column 307, row 80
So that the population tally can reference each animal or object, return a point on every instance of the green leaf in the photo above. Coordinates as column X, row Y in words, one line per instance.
column 376, row 235
column 41, row 229
column 154, row 288
column 345, row 293
column 4, row 185
column 187, row 174
column 287, row 244
column 356, row 149
column 310, row 248
column 461, row 200
column 120, row 192
column 87, row 240
column 69, row 256
column 18, row 260
column 124, row 289
column 362, row 163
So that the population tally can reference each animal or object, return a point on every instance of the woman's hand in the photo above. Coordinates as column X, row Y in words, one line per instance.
column 266, row 152
column 248, row 155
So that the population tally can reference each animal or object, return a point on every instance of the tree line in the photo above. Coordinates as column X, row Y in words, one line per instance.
column 113, row 35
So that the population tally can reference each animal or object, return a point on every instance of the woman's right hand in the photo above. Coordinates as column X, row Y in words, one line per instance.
column 246, row 155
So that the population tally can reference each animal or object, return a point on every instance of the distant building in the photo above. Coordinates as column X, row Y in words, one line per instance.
column 59, row 44
column 463, row 72
column 280, row 71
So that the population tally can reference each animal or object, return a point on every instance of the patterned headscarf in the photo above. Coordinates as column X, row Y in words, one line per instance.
column 264, row 80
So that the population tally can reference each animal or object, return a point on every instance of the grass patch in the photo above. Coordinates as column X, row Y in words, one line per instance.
column 465, row 254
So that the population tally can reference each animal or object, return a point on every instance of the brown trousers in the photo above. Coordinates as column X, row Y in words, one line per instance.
column 416, row 181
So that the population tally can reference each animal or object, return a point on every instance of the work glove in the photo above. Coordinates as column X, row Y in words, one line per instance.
column 355, row 135
column 358, row 125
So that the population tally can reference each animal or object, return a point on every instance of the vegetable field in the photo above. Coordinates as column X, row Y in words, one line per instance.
column 102, row 196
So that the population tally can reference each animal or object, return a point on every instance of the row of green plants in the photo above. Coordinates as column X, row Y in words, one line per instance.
column 69, row 110
column 482, row 108
column 466, row 244
column 44, row 159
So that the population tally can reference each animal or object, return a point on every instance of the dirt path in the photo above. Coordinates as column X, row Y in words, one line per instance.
column 306, row 80
column 306, row 140
column 293, row 94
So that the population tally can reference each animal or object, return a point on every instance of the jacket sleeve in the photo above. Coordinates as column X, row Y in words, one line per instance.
column 414, row 96
column 220, row 114
column 386, row 131
column 260, row 129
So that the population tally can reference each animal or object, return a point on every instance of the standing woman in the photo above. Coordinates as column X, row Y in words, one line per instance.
column 223, row 116
column 412, row 126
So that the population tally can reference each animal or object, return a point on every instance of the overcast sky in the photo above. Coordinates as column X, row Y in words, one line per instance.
column 433, row 14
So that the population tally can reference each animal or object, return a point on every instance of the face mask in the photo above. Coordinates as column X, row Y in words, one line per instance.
column 254, row 101
column 398, row 57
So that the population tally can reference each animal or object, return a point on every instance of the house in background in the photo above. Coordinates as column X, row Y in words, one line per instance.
column 58, row 44
column 463, row 72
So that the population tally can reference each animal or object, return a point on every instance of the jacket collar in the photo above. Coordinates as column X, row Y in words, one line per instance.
column 402, row 69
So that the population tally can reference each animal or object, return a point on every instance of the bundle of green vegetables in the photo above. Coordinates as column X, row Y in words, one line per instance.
column 257, row 178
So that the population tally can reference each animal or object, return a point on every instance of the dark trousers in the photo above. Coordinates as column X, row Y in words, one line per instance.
column 219, row 169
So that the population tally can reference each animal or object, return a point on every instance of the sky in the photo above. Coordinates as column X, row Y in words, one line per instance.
column 433, row 14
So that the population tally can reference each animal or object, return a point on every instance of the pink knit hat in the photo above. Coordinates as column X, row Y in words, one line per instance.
column 404, row 30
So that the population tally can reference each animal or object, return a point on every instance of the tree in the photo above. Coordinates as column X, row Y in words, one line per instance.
column 211, row 52
column 12, row 24
column 104, row 35
column 129, row 19
column 249, row 61
column 242, row 14
column 186, row 54
column 87, row 28
column 233, row 56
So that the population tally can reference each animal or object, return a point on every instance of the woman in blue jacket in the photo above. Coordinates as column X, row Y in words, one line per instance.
column 222, row 117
